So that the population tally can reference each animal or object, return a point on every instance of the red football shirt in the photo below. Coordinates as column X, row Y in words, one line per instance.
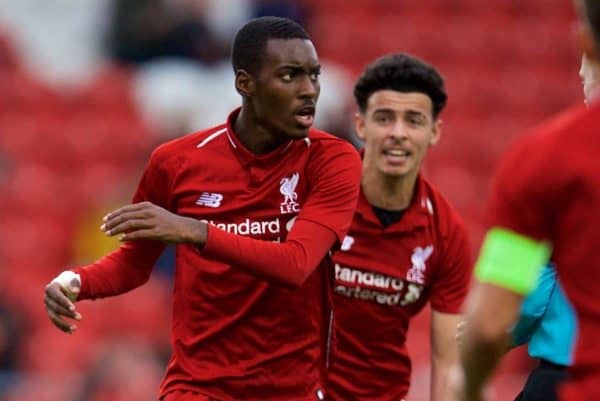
column 237, row 336
column 383, row 277
column 548, row 188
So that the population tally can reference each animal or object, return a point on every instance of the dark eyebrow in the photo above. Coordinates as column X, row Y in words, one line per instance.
column 384, row 110
column 299, row 68
column 415, row 113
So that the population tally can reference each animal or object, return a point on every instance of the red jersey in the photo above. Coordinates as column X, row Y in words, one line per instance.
column 236, row 336
column 548, row 188
column 383, row 277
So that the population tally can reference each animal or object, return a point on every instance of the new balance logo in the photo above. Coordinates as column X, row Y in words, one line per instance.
column 209, row 199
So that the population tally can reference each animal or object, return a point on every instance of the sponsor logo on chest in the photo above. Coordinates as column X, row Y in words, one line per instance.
column 375, row 287
column 381, row 288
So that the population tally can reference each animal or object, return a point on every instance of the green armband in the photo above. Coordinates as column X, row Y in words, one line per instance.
column 510, row 260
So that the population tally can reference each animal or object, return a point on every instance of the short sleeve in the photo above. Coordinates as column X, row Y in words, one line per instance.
column 520, row 193
column 451, row 283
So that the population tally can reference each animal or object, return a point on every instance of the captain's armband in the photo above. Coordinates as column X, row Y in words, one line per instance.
column 511, row 260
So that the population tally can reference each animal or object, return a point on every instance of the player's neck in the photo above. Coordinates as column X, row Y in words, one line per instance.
column 385, row 192
column 255, row 137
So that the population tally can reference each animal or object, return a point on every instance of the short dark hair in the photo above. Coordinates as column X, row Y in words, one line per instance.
column 592, row 13
column 251, row 40
column 403, row 73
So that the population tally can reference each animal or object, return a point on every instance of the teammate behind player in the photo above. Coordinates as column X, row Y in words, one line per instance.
column 406, row 246
column 250, row 313
column 544, row 204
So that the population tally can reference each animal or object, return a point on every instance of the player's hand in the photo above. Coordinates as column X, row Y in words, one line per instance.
column 59, row 298
column 148, row 221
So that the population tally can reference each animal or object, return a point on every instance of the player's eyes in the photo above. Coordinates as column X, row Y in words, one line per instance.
column 415, row 121
column 287, row 77
column 314, row 75
column 382, row 119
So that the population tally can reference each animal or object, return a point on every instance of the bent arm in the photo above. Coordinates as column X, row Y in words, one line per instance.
column 120, row 271
column 290, row 262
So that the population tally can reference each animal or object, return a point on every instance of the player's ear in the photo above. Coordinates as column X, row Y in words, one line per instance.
column 436, row 132
column 244, row 83
column 587, row 42
column 359, row 125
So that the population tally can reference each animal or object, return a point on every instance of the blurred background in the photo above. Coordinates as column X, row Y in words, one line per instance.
column 88, row 88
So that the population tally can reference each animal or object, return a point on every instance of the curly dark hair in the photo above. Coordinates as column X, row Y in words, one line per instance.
column 403, row 73
column 251, row 40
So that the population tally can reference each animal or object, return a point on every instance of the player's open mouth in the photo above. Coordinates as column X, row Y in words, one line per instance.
column 396, row 156
column 306, row 116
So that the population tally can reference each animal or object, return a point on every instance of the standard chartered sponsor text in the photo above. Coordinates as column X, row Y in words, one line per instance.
column 250, row 227
column 382, row 289
column 355, row 276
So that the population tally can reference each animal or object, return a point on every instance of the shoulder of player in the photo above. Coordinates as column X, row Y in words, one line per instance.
column 324, row 144
column 188, row 143
column 549, row 135
column 322, row 138
column 533, row 154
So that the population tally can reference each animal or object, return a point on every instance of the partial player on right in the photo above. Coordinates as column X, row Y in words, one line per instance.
column 544, row 206
column 547, row 323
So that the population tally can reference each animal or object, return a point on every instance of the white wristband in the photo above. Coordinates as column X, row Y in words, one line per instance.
column 65, row 280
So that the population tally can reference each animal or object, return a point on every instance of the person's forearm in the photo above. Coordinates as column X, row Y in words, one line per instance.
column 120, row 271
column 440, row 370
column 491, row 312
column 289, row 262
column 479, row 355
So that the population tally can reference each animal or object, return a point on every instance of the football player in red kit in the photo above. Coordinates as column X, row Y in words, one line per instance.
column 255, row 205
column 544, row 205
column 406, row 246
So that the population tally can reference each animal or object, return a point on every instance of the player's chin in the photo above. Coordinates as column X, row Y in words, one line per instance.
column 394, row 171
column 298, row 131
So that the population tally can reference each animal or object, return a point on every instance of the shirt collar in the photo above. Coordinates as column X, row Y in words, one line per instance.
column 416, row 215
